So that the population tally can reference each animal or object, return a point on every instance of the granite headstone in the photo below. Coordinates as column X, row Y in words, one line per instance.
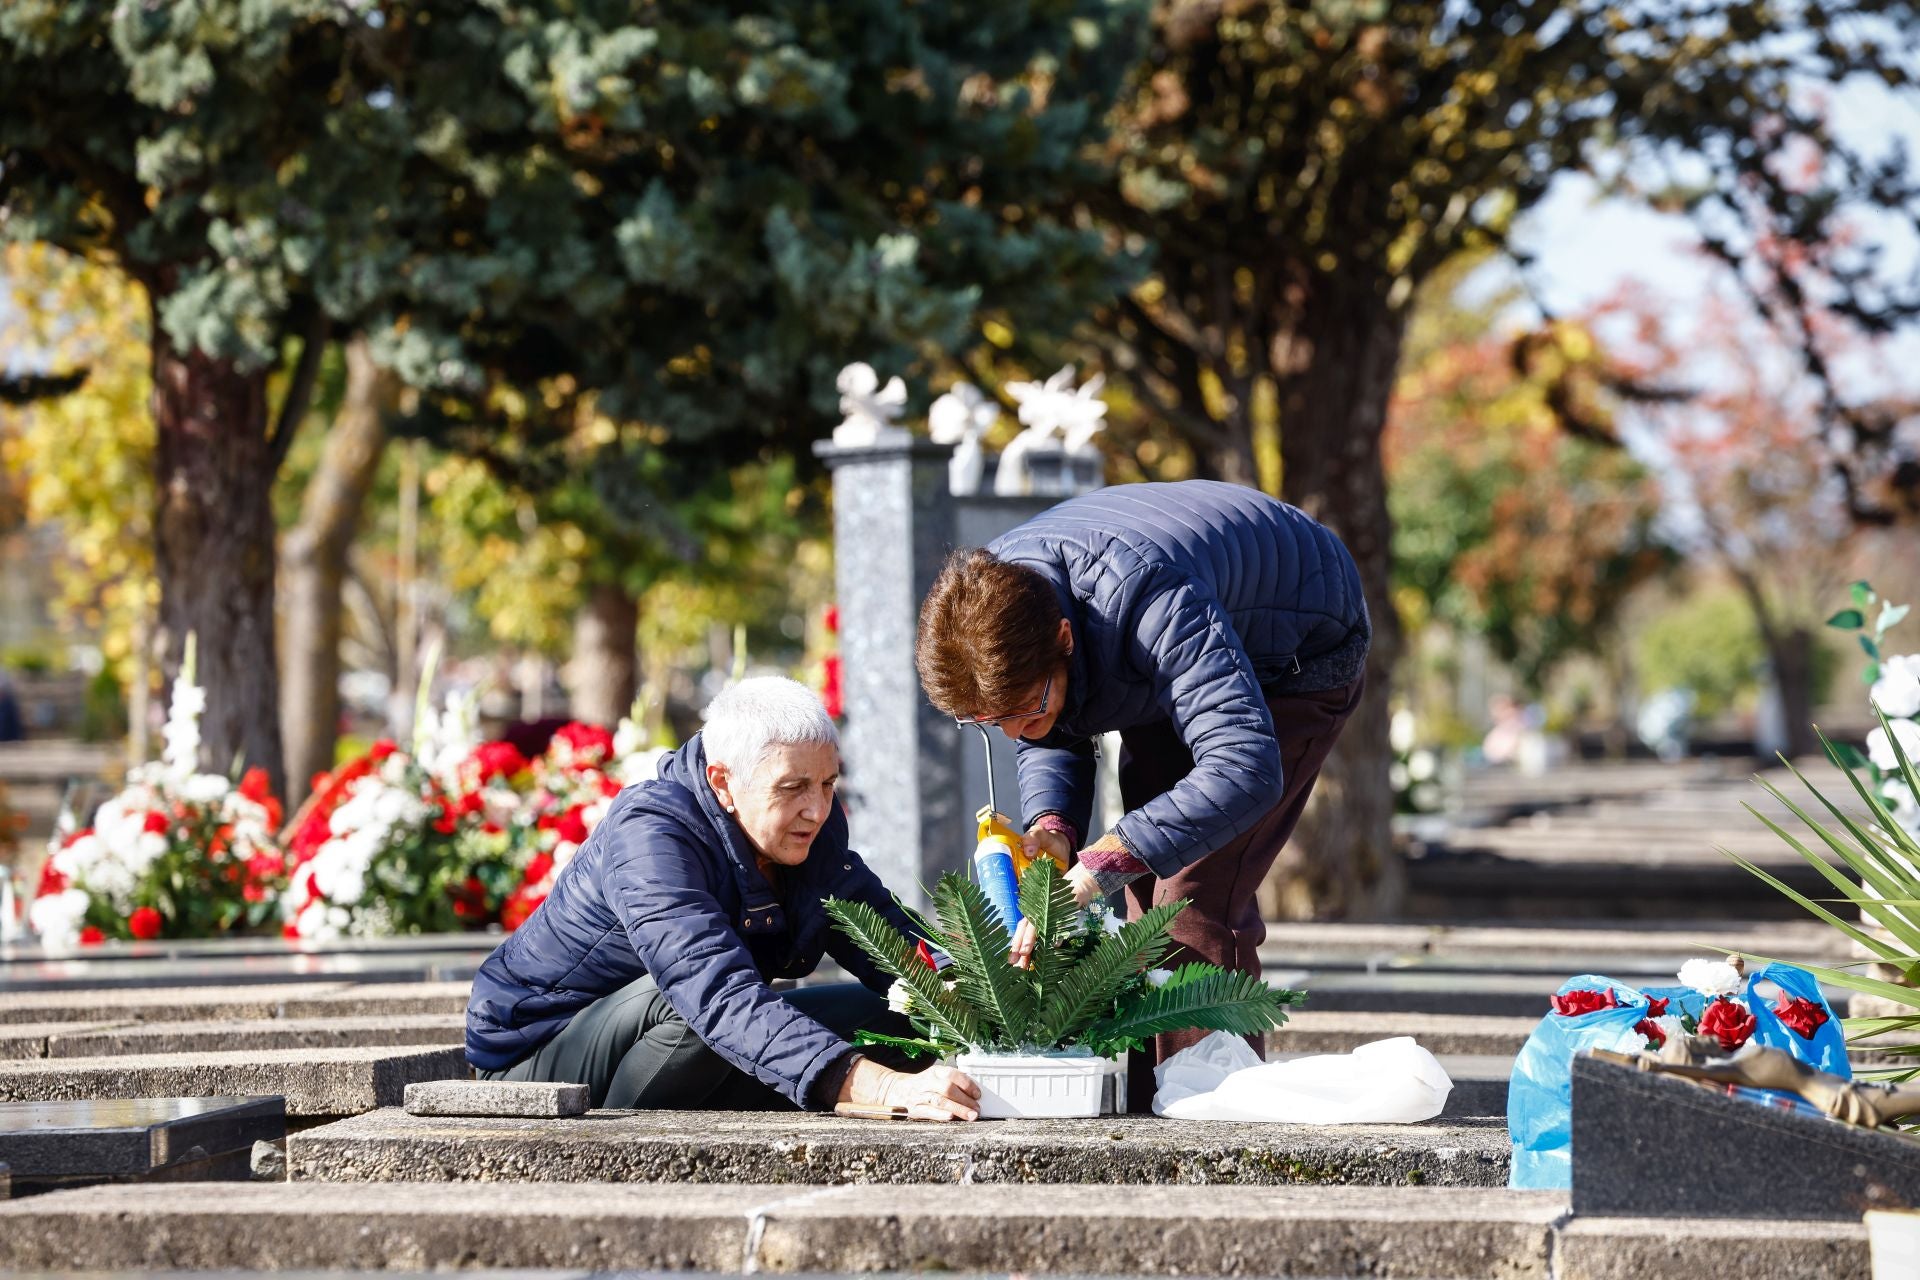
column 54, row 1144
column 1646, row 1145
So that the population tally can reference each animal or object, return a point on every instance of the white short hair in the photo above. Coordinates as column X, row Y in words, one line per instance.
column 749, row 719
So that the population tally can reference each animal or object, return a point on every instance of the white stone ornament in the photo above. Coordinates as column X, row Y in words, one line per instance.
column 1048, row 409
column 869, row 409
column 960, row 418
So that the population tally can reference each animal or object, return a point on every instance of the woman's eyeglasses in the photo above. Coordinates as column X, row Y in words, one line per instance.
column 1046, row 692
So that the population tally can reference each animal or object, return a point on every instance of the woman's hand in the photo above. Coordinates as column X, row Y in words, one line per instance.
column 1085, row 889
column 938, row 1093
column 1039, row 841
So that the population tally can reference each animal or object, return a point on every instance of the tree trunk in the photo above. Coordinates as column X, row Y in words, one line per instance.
column 313, row 561
column 1790, row 654
column 1343, row 348
column 603, row 675
column 213, row 548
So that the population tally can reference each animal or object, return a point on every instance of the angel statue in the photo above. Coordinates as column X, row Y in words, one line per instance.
column 960, row 418
column 870, row 408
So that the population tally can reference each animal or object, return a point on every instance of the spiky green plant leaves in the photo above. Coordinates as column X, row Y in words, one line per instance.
column 1000, row 994
column 1198, row 996
column 894, row 955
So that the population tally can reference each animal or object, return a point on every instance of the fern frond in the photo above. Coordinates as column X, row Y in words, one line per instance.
column 1088, row 989
column 1237, row 1003
column 1046, row 899
column 894, row 956
column 978, row 943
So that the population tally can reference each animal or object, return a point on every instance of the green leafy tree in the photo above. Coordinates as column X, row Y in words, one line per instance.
column 698, row 212
column 1301, row 168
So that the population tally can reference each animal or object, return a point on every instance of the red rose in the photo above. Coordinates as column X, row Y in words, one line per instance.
column 609, row 786
column 156, row 823
column 1651, row 1030
column 1575, row 1003
column 145, row 923
column 491, row 828
column 1656, row 1007
column 381, row 749
column 252, row 892
column 290, row 930
column 539, row 867
column 1727, row 1022
column 573, row 826
column 255, row 787
column 497, row 760
column 1804, row 1016
column 90, row 936
column 518, row 907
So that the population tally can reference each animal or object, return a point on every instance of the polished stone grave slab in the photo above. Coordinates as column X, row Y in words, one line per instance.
column 273, row 1033
column 1443, row 1233
column 314, row 1082
column 735, row 1147
column 215, row 1004
column 1655, row 1146
column 51, row 1144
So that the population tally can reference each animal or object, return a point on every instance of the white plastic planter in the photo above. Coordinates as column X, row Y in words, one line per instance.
column 1893, row 1236
column 1055, row 1085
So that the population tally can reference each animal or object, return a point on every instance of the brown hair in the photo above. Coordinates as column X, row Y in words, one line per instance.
column 989, row 632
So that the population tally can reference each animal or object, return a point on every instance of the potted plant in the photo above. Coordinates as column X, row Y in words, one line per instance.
column 1046, row 1040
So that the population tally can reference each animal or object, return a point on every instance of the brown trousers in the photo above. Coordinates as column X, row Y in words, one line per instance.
column 1222, row 923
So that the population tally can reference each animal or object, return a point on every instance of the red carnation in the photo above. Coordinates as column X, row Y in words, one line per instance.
column 1729, row 1023
column 1651, row 1030
column 586, row 744
column 498, row 759
column 1656, row 1007
column 255, row 787
column 145, row 923
column 290, row 930
column 381, row 749
column 573, row 826
column 518, row 907
column 447, row 821
column 156, row 823
column 1804, row 1016
column 52, row 880
column 1575, row 1003
column 90, row 936
column 539, row 867
column 609, row 786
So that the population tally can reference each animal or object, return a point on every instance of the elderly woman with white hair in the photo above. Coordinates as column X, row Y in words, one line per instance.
column 646, row 973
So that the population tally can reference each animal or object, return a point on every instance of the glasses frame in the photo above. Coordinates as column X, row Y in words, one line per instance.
column 984, row 722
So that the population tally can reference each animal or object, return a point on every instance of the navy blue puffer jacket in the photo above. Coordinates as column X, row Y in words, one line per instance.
column 666, row 885
column 1190, row 603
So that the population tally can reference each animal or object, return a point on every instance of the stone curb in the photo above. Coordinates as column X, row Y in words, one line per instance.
column 315, row 1082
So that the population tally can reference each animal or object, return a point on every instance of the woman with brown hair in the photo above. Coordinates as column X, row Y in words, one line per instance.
column 1222, row 633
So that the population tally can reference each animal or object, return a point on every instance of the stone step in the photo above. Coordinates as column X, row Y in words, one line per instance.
column 1306, row 1231
column 1441, row 1034
column 66, row 973
column 792, row 1147
column 1433, row 1232
column 1446, row 884
column 315, row 1082
column 78, row 1040
column 233, row 1004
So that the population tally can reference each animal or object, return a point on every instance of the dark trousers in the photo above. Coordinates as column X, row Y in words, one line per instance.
column 1222, row 923
column 634, row 1051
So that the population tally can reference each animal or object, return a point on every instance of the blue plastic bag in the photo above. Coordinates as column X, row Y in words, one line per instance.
column 1540, row 1095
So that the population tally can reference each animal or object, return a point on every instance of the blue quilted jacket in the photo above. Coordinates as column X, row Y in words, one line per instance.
column 1190, row 603
column 666, row 885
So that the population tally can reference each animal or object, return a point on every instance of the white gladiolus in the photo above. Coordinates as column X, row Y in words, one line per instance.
column 1897, row 691
column 1712, row 978
column 1880, row 748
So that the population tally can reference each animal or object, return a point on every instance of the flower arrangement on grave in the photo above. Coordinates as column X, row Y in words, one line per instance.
column 1092, row 989
column 176, row 853
column 1875, row 842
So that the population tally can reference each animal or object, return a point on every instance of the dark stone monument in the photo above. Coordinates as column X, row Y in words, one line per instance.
column 1646, row 1145
column 64, row 1144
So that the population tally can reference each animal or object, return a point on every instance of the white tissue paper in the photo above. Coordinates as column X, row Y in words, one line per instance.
column 1221, row 1078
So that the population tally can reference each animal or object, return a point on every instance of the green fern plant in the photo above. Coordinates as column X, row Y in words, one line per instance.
column 1090, row 986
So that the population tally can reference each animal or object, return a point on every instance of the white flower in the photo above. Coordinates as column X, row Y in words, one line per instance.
column 1880, row 749
column 1159, row 977
column 898, row 996
column 1897, row 691
column 1712, row 978
column 204, row 788
column 56, row 917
